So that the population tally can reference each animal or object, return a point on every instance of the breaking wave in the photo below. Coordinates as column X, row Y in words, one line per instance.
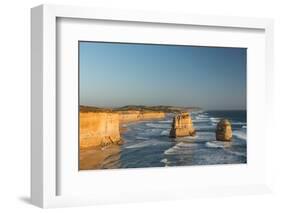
column 240, row 134
column 238, row 123
column 166, row 121
column 165, row 132
column 215, row 144
column 158, row 126
column 146, row 143
column 181, row 148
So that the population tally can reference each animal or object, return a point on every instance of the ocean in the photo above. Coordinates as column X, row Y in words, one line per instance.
column 147, row 143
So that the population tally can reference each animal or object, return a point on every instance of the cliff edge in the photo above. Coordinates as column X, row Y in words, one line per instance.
column 99, row 129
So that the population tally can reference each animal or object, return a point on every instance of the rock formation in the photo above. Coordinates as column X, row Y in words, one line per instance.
column 103, row 128
column 99, row 129
column 224, row 131
column 182, row 126
column 134, row 115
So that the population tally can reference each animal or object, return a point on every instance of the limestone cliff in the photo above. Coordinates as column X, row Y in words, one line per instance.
column 103, row 128
column 182, row 126
column 99, row 129
column 132, row 115
column 224, row 131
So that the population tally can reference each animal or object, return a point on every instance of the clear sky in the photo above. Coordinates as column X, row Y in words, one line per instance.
column 115, row 74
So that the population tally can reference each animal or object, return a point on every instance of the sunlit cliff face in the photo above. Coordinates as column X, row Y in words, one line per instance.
column 103, row 128
column 99, row 129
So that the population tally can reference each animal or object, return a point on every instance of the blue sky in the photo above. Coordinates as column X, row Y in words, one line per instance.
column 116, row 74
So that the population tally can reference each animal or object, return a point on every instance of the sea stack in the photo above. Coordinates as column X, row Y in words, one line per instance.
column 224, row 131
column 182, row 126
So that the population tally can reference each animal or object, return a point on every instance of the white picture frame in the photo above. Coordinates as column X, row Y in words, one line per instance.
column 44, row 154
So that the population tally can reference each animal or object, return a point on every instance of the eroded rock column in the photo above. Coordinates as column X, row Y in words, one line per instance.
column 182, row 126
column 224, row 130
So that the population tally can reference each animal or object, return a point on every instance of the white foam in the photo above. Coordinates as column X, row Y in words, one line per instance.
column 166, row 121
column 181, row 148
column 240, row 134
column 165, row 132
column 158, row 126
column 238, row 123
column 200, row 136
column 141, row 138
column 202, row 116
column 215, row 144
column 145, row 144
column 165, row 160
column 197, row 112
column 186, row 145
column 215, row 120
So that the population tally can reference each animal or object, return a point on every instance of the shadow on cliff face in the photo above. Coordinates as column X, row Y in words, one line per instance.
column 100, row 158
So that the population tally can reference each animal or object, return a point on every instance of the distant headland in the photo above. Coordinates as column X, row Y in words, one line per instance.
column 142, row 108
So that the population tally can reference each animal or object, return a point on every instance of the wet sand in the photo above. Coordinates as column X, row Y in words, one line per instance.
column 98, row 157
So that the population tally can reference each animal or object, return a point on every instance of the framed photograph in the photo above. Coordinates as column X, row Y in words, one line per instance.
column 129, row 106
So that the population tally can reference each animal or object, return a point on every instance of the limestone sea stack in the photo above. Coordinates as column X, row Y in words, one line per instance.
column 182, row 126
column 224, row 131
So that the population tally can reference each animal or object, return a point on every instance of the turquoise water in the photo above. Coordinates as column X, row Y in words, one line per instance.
column 147, row 143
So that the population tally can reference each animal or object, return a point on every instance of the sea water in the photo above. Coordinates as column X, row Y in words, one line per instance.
column 147, row 143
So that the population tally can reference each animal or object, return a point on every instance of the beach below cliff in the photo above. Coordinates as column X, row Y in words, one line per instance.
column 100, row 132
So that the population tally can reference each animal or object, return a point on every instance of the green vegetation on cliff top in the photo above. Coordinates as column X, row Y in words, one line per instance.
column 142, row 108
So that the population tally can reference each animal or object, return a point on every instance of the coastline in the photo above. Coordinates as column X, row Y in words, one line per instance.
column 147, row 144
column 95, row 155
column 100, row 127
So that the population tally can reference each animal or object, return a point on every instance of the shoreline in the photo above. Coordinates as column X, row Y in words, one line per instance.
column 93, row 157
column 101, row 130
column 131, row 155
column 101, row 127
column 122, row 129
